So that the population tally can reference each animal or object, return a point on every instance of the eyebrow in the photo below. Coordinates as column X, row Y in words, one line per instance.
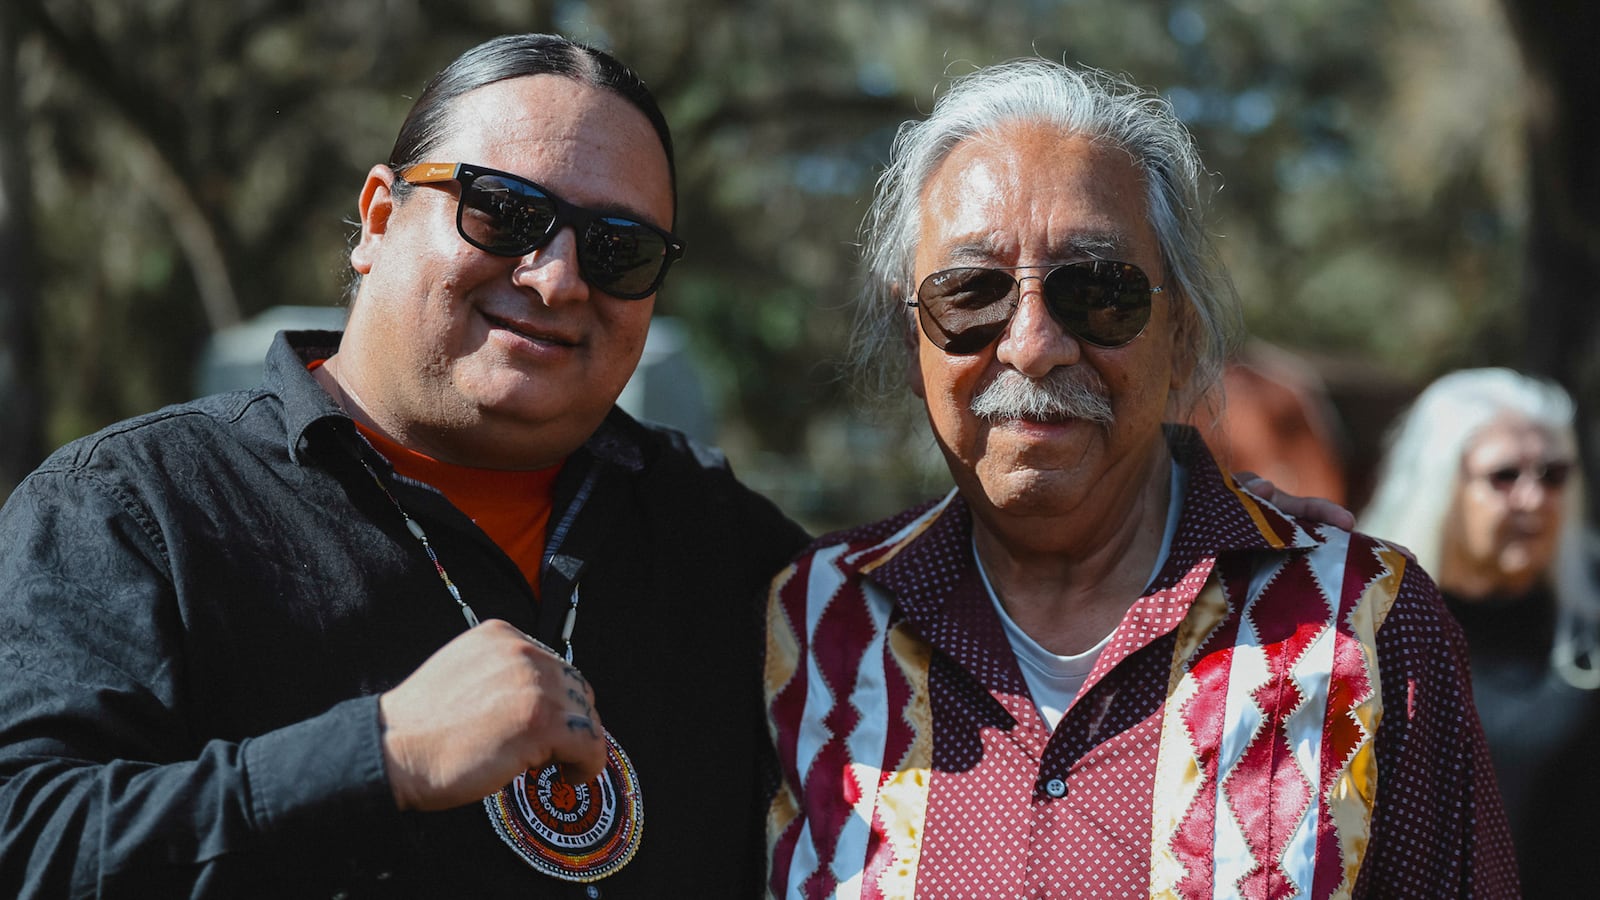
column 1092, row 245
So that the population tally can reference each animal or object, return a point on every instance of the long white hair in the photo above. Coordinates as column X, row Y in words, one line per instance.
column 1419, row 476
column 1088, row 102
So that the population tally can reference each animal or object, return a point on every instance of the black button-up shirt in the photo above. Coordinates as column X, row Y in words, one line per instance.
column 199, row 607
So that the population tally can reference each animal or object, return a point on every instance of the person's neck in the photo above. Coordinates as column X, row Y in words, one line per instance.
column 481, row 444
column 1067, row 580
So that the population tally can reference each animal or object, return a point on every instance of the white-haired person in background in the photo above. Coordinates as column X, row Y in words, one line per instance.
column 1481, row 482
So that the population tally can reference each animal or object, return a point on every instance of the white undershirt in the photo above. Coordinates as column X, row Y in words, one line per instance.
column 1054, row 680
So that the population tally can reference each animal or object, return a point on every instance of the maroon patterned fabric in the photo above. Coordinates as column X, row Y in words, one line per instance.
column 915, row 763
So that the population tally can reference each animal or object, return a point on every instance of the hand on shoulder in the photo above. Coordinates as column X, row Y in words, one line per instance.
column 1314, row 508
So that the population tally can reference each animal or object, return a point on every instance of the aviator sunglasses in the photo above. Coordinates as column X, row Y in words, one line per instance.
column 507, row 215
column 1100, row 301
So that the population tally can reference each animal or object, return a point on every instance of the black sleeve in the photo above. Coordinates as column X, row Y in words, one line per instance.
column 106, row 789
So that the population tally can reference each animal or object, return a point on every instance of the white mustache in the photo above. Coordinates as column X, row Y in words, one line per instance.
column 1063, row 393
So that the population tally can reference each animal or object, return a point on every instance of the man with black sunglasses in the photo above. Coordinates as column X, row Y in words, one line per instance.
column 1099, row 667
column 425, row 615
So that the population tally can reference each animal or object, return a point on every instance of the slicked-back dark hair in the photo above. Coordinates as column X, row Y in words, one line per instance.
column 516, row 56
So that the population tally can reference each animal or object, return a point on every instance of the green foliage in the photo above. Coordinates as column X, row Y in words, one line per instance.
column 198, row 162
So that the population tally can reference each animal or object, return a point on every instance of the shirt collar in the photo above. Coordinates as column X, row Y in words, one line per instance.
column 306, row 406
column 1218, row 517
column 927, row 567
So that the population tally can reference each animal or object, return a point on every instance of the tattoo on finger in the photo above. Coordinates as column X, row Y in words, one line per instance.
column 575, row 675
column 582, row 702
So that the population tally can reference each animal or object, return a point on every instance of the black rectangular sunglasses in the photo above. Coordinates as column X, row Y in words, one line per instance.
column 1103, row 302
column 508, row 215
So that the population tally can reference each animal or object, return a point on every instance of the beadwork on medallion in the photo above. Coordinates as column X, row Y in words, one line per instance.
column 573, row 832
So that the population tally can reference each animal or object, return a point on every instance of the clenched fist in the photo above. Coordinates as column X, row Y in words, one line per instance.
column 488, row 705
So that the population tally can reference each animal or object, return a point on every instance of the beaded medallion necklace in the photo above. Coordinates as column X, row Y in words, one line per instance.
column 581, row 832
column 427, row 546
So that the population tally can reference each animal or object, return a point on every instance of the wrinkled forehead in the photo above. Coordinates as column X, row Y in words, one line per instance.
column 1035, row 190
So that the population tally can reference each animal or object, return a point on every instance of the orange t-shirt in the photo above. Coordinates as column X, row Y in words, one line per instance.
column 512, row 507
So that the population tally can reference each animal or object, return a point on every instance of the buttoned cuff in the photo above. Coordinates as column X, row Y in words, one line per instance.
column 328, row 769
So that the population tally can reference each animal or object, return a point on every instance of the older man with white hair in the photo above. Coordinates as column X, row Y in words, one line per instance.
column 1099, row 667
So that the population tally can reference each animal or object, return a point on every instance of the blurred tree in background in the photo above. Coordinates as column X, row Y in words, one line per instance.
column 170, row 167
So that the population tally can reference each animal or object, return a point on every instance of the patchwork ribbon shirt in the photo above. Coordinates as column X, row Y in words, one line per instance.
column 1286, row 712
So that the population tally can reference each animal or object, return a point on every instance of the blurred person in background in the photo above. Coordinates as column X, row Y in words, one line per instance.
column 1481, row 482
column 1275, row 419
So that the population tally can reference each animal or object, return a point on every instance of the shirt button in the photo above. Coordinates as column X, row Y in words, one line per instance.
column 592, row 892
column 1055, row 787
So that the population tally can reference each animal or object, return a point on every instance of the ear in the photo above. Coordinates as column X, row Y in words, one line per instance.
column 1185, row 327
column 911, row 342
column 914, row 376
column 376, row 205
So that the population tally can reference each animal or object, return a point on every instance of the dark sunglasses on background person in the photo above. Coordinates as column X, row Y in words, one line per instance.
column 1552, row 475
column 1100, row 301
column 508, row 215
